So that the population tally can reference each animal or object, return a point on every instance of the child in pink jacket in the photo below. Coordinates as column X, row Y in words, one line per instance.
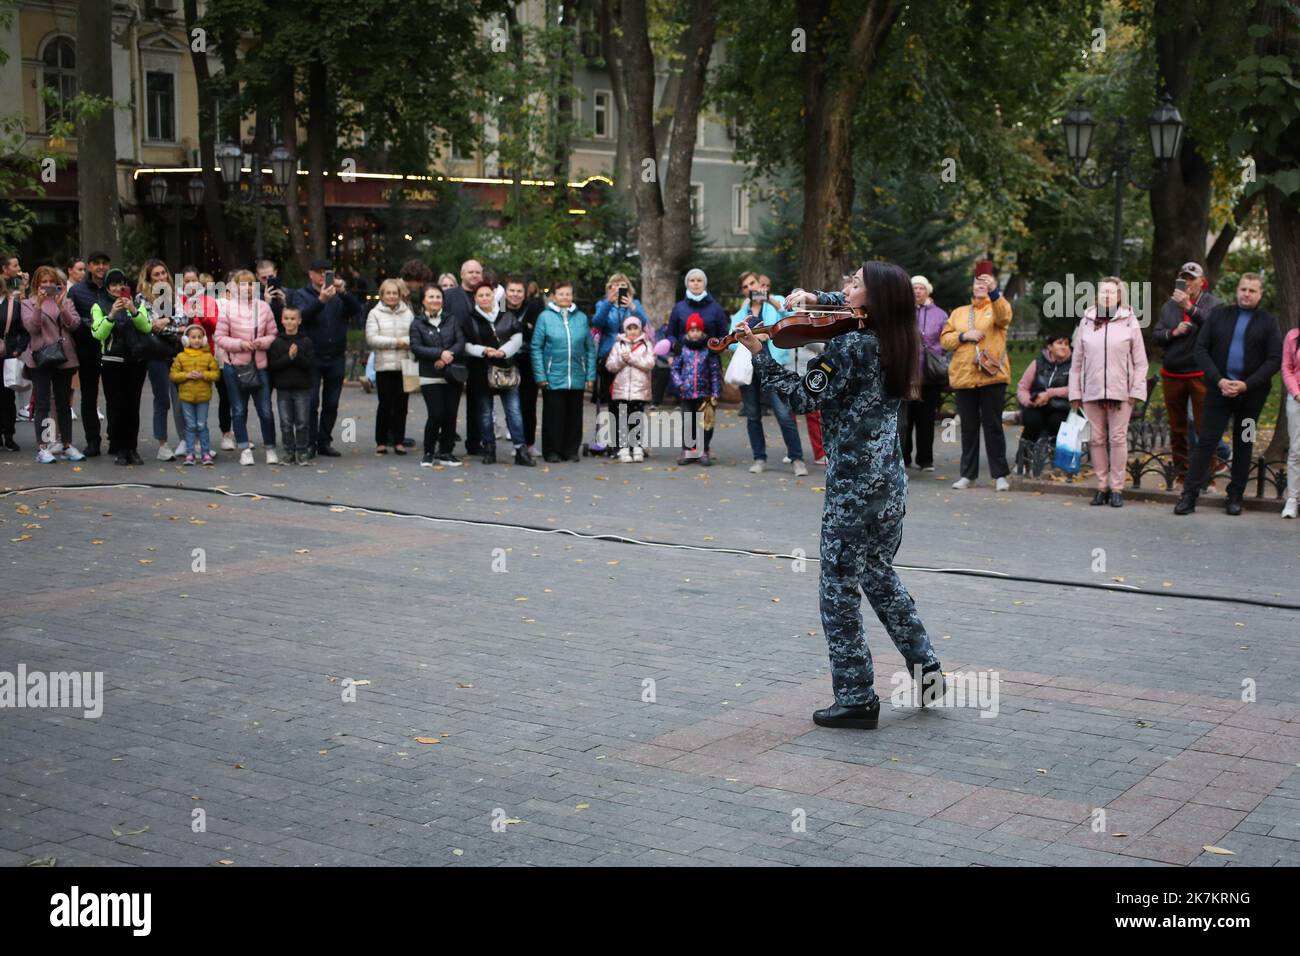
column 245, row 330
column 632, row 360
column 1291, row 383
column 1108, row 375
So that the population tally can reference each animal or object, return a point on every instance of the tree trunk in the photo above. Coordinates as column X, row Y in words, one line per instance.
column 830, row 95
column 213, row 213
column 317, row 150
column 292, row 209
column 611, row 50
column 663, row 191
column 97, row 201
column 562, row 118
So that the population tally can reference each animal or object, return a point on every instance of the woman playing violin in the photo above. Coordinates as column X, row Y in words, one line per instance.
column 857, row 385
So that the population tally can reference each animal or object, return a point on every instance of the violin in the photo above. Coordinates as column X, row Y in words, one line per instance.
column 801, row 327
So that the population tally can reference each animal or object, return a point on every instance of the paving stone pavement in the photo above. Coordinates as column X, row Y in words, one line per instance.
column 224, row 688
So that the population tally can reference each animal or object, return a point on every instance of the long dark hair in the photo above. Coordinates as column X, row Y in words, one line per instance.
column 891, row 306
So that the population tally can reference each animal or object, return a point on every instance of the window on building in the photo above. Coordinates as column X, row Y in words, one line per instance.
column 740, row 209
column 160, row 106
column 602, row 104
column 697, row 205
column 59, row 75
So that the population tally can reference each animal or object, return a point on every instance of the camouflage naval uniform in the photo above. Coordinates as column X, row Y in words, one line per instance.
column 866, row 497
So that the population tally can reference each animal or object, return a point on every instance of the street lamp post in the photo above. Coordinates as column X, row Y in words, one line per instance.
column 173, row 209
column 1165, row 127
column 231, row 159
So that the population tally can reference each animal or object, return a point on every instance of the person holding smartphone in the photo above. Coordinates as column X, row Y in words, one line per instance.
column 13, row 343
column 117, row 330
column 1183, row 381
column 611, row 312
column 758, row 312
column 51, row 357
column 327, row 312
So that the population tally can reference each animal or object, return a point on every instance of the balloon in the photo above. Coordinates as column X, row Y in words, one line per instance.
column 663, row 347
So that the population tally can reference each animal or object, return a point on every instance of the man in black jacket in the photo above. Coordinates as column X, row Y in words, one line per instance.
column 327, row 312
column 458, row 302
column 1240, row 350
column 85, row 295
column 1181, row 318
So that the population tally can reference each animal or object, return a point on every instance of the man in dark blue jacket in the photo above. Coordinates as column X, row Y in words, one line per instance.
column 327, row 312
column 85, row 295
column 1239, row 348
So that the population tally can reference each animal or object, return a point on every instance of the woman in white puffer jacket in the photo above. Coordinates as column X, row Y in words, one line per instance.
column 388, row 333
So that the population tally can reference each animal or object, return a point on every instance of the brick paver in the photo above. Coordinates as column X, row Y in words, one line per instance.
column 224, row 689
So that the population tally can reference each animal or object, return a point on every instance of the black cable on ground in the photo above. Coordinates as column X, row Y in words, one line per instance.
column 650, row 543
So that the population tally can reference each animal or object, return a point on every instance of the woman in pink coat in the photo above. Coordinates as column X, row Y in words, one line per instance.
column 632, row 360
column 245, row 330
column 1108, row 375
column 49, row 318
column 1291, row 402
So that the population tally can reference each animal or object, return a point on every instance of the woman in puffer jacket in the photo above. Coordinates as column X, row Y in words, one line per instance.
column 245, row 330
column 388, row 333
column 1108, row 376
column 631, row 360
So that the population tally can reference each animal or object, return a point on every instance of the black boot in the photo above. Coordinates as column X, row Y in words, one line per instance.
column 861, row 717
column 1233, row 507
column 135, row 457
column 122, row 458
column 92, row 450
column 489, row 454
column 523, row 458
column 1186, row 504
column 934, row 686
column 8, row 443
column 1117, row 499
column 1101, row 498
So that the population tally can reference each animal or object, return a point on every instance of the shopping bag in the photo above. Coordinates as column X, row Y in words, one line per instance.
column 1069, row 443
column 410, row 375
column 14, row 375
column 740, row 370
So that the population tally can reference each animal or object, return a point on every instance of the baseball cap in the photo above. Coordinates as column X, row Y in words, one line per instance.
column 1192, row 269
column 319, row 265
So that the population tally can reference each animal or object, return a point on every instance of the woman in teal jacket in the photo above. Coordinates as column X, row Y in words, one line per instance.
column 564, row 362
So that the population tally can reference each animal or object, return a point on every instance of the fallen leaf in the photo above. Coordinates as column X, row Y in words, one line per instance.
column 21, row 537
column 361, row 683
column 226, row 862
column 1040, row 770
column 302, row 551
column 776, row 600
column 427, row 740
column 583, row 806
column 43, row 861
column 23, row 510
column 97, row 541
column 146, row 560
column 122, row 833
column 456, row 851
column 1119, row 834
column 1217, row 850
column 521, row 599
column 459, row 684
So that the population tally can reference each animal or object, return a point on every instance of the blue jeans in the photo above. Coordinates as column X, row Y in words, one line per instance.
column 261, row 397
column 753, row 410
column 196, row 427
column 293, row 404
column 164, row 399
column 514, row 417
column 326, row 387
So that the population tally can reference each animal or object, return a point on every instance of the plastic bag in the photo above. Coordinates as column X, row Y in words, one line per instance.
column 14, row 375
column 1069, row 443
column 740, row 370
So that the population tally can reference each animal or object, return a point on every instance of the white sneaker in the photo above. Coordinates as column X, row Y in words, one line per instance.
column 928, row 468
column 71, row 454
column 1002, row 485
column 56, row 448
column 181, row 449
column 800, row 469
column 228, row 442
column 75, row 416
column 532, row 450
column 625, row 456
column 822, row 461
column 246, row 457
column 638, row 454
column 271, row 457
column 961, row 484
column 165, row 453
column 44, row 456
column 785, row 459
column 101, row 415
column 757, row 467
column 1290, row 508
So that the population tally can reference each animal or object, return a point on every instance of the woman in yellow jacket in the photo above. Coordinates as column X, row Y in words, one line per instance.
column 979, row 372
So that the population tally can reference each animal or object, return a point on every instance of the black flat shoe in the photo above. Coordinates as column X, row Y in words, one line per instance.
column 329, row 451
column 1117, row 499
column 552, row 459
column 490, row 456
column 92, row 451
column 1233, row 507
column 381, row 450
column 1186, row 504
column 9, row 444
column 862, row 717
column 523, row 458
column 122, row 459
column 399, row 450
column 135, row 457
column 1101, row 498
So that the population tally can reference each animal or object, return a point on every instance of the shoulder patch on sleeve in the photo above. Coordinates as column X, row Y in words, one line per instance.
column 818, row 377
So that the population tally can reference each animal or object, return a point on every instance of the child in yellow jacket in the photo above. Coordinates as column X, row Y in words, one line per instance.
column 194, row 371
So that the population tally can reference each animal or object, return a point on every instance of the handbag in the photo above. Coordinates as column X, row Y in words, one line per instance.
column 740, row 370
column 985, row 360
column 50, row 355
column 410, row 375
column 14, row 378
column 936, row 368
column 246, row 376
column 501, row 378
